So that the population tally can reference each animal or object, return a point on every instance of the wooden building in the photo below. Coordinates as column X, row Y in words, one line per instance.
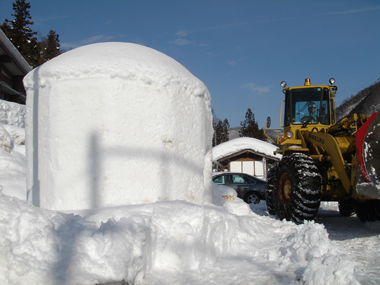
column 245, row 155
column 13, row 68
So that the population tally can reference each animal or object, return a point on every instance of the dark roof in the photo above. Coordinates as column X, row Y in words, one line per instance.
column 11, row 57
column 13, row 68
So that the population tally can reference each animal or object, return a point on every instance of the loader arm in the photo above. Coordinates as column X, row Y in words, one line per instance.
column 333, row 149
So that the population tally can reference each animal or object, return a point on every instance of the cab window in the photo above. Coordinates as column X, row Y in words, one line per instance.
column 305, row 104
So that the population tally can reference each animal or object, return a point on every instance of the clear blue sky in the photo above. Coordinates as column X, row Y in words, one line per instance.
column 241, row 50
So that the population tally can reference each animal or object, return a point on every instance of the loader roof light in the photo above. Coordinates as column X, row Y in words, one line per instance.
column 332, row 81
column 283, row 84
column 307, row 82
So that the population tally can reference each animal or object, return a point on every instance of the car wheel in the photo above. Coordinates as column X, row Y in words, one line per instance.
column 252, row 198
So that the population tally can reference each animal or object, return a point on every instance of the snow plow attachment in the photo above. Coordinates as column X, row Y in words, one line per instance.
column 368, row 156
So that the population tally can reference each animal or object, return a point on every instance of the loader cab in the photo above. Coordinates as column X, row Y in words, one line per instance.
column 309, row 105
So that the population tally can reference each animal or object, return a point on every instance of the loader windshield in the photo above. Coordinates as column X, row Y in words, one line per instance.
column 307, row 105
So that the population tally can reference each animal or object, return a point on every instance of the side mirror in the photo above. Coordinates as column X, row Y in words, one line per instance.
column 268, row 122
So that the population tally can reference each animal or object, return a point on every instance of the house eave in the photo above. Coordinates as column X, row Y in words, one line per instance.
column 14, row 54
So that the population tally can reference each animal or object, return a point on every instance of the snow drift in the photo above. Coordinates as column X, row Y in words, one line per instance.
column 171, row 242
column 12, row 161
column 113, row 124
column 12, row 114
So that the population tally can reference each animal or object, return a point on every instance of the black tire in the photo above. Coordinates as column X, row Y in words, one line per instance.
column 269, row 188
column 252, row 198
column 297, row 188
column 368, row 211
column 346, row 207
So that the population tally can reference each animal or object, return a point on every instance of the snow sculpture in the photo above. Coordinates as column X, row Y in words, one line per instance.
column 116, row 123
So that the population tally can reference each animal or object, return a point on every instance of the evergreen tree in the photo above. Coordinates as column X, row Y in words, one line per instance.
column 225, row 127
column 48, row 47
column 250, row 128
column 20, row 33
column 221, row 132
column 215, row 119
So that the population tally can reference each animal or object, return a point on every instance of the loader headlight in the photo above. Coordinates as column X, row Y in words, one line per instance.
column 289, row 135
column 283, row 84
column 332, row 81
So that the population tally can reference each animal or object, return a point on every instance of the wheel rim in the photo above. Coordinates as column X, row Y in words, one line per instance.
column 253, row 199
column 285, row 186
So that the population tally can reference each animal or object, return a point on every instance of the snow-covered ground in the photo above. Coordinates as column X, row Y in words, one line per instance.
column 360, row 241
column 176, row 242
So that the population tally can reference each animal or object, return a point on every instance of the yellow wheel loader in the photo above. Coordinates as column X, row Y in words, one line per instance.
column 323, row 160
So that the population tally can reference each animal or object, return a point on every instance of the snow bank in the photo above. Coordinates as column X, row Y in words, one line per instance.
column 12, row 113
column 113, row 124
column 239, row 144
column 12, row 161
column 163, row 243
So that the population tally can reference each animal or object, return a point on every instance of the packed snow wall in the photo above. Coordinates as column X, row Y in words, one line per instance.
column 12, row 114
column 116, row 123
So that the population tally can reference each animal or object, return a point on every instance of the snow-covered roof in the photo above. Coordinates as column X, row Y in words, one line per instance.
column 236, row 145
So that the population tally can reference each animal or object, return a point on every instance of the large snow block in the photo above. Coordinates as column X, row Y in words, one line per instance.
column 116, row 123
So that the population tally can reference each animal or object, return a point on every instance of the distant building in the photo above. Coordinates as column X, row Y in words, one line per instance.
column 245, row 155
column 233, row 133
column 13, row 68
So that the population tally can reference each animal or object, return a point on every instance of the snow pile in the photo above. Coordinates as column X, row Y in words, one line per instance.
column 163, row 243
column 227, row 197
column 239, row 144
column 12, row 113
column 115, row 124
column 12, row 161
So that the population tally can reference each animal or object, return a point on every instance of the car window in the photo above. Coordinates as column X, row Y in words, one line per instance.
column 251, row 180
column 220, row 179
column 238, row 179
